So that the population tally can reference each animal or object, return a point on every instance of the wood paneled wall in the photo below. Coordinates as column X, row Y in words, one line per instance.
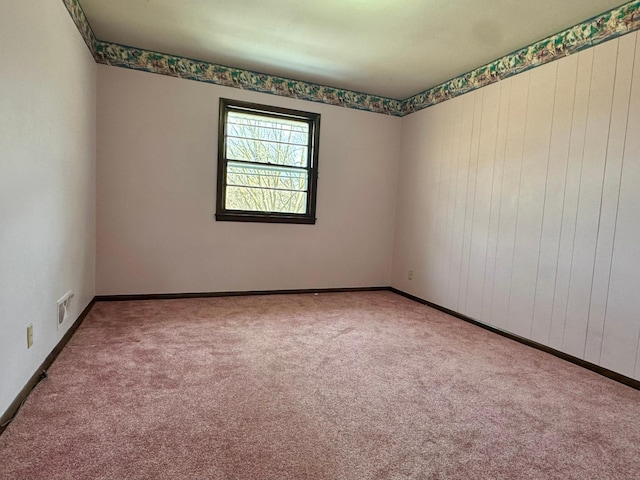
column 519, row 205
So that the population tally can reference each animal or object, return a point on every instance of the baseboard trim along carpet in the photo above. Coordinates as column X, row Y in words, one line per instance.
column 172, row 296
column 557, row 353
column 40, row 373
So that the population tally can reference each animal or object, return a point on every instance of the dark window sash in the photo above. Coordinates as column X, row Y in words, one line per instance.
column 313, row 121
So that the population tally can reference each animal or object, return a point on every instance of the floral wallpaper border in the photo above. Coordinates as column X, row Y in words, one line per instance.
column 82, row 24
column 609, row 25
column 599, row 29
column 138, row 59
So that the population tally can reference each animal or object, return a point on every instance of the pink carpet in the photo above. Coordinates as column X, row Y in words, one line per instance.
column 331, row 386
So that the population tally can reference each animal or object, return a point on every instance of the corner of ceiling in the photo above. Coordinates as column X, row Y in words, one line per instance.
column 82, row 24
column 589, row 33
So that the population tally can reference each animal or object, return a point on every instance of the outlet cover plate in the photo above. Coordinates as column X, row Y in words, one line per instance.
column 29, row 335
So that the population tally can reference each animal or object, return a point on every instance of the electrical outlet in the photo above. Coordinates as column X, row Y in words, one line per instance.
column 410, row 276
column 63, row 307
column 29, row 335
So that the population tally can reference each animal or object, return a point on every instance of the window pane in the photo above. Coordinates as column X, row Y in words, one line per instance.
column 266, row 152
column 280, row 178
column 262, row 139
column 268, row 189
column 265, row 200
column 266, row 128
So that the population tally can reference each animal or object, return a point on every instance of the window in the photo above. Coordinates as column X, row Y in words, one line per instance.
column 267, row 164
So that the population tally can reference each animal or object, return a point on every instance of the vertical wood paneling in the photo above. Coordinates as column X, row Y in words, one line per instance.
column 496, row 197
column 441, row 262
column 509, row 201
column 622, row 319
column 554, row 198
column 571, row 189
column 533, row 177
column 533, row 222
column 471, row 198
column 610, row 194
column 435, row 162
column 589, row 197
column 482, row 203
column 461, row 199
column 458, row 107
column 434, row 151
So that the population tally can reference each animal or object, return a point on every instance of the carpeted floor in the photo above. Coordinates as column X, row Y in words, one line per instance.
column 331, row 386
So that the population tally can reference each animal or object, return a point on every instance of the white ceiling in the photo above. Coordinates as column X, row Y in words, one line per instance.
column 392, row 48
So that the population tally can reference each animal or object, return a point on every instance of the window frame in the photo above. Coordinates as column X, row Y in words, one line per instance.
column 313, row 120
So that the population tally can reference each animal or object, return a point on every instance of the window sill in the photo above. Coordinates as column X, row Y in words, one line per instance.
column 264, row 218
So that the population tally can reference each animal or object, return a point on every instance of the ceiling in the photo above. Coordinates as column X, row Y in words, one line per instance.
column 391, row 48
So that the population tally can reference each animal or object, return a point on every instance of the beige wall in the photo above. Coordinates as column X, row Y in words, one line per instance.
column 157, row 157
column 47, row 182
column 518, row 205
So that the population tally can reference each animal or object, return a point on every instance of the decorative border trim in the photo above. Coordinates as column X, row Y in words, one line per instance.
column 614, row 23
column 174, row 66
column 82, row 24
column 596, row 30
